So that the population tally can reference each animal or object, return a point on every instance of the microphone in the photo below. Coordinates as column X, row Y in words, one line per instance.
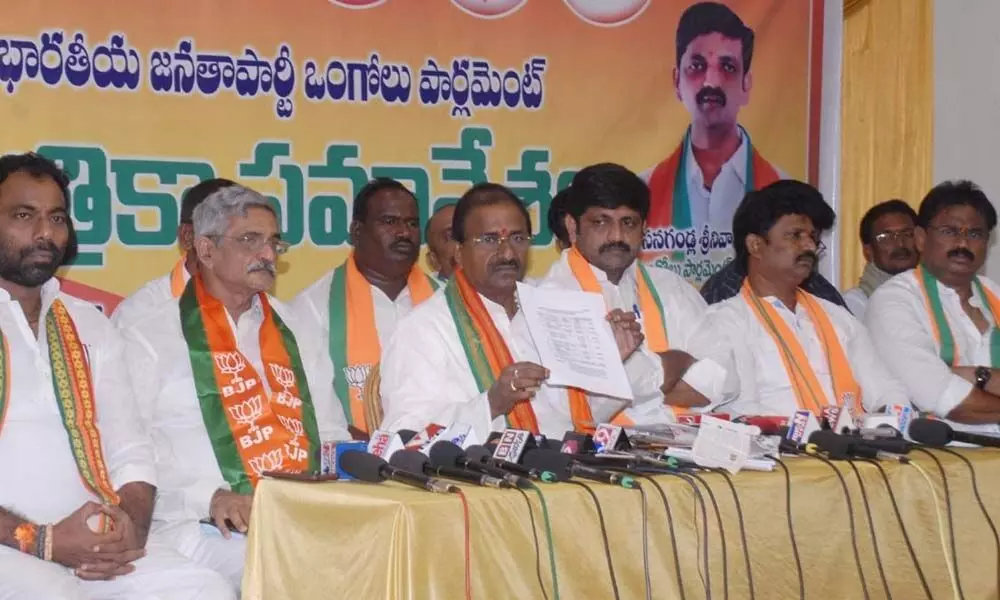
column 841, row 447
column 370, row 468
column 483, row 455
column 418, row 463
column 931, row 432
column 449, row 454
column 558, row 462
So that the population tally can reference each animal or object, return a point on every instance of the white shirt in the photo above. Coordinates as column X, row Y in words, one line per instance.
column 39, row 478
column 145, row 300
column 901, row 328
column 683, row 307
column 158, row 358
column 426, row 376
column 857, row 302
column 758, row 384
column 313, row 308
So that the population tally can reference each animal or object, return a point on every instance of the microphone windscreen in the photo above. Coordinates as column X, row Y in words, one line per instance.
column 548, row 460
column 409, row 460
column 445, row 454
column 363, row 466
column 835, row 445
column 930, row 432
column 406, row 435
column 480, row 454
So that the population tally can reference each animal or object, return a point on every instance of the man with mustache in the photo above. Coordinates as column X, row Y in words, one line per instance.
column 230, row 384
column 695, row 190
column 74, row 517
column 936, row 325
column 465, row 356
column 606, row 207
column 357, row 305
column 440, row 246
column 784, row 349
column 888, row 245
column 171, row 285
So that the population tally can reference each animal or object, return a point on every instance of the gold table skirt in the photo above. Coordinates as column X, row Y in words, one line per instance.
column 353, row 540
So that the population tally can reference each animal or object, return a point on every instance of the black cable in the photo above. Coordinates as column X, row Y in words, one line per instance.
column 791, row 527
column 743, row 529
column 982, row 507
column 722, row 534
column 645, row 542
column 902, row 527
column 850, row 516
column 951, row 526
column 706, row 579
column 670, row 526
column 538, row 550
column 871, row 529
column 604, row 535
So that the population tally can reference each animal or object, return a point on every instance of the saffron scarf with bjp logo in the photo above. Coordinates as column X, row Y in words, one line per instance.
column 808, row 392
column 74, row 391
column 668, row 191
column 654, row 326
column 354, row 345
column 948, row 348
column 484, row 347
column 251, row 432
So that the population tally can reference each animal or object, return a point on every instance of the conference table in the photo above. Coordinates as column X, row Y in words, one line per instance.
column 357, row 540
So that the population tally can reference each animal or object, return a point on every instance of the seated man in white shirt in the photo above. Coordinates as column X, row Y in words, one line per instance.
column 355, row 307
column 888, row 245
column 440, row 246
column 465, row 356
column 606, row 208
column 170, row 286
column 784, row 349
column 230, row 383
column 936, row 326
column 74, row 518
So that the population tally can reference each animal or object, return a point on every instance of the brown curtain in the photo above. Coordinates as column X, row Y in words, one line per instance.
column 887, row 104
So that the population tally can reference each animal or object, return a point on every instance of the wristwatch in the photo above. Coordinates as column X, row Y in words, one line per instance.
column 983, row 375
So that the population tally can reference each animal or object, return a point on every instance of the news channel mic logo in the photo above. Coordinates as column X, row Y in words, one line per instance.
column 511, row 445
column 606, row 437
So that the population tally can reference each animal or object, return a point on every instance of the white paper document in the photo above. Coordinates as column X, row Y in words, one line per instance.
column 574, row 340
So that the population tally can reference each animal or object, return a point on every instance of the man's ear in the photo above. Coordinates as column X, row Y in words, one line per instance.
column 570, row 224
column 205, row 249
column 755, row 245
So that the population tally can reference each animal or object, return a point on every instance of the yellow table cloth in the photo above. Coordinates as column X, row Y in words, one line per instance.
column 353, row 540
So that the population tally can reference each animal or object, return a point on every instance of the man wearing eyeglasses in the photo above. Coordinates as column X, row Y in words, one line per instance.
column 605, row 211
column 229, row 384
column 465, row 356
column 888, row 245
column 784, row 349
column 936, row 326
column 357, row 305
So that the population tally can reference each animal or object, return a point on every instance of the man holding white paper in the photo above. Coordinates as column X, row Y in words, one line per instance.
column 466, row 354
column 607, row 207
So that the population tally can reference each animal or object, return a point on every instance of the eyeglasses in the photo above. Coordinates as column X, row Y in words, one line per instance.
column 495, row 240
column 799, row 237
column 973, row 234
column 887, row 238
column 255, row 242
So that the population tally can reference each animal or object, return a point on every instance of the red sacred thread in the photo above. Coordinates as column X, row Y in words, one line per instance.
column 468, row 545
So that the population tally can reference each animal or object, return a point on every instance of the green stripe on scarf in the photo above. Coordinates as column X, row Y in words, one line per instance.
column 947, row 341
column 338, row 338
column 681, row 219
column 656, row 296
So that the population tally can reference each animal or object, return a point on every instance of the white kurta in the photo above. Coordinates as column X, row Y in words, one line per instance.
column 901, row 329
column 40, row 480
column 758, row 384
column 683, row 308
column 189, row 474
column 145, row 300
column 857, row 302
column 426, row 376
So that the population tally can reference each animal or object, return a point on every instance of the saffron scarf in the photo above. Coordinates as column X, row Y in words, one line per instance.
column 808, row 392
column 177, row 283
column 251, row 432
column 484, row 347
column 668, row 190
column 354, row 345
column 948, row 348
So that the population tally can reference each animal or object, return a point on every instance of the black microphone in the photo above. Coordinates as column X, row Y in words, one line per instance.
column 449, row 454
column 558, row 462
column 412, row 460
column 931, row 432
column 482, row 454
column 406, row 435
column 370, row 468
column 842, row 447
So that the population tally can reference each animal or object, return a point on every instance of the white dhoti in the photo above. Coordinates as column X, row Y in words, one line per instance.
column 205, row 546
column 162, row 574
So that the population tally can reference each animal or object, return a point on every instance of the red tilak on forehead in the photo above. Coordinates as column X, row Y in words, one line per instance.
column 504, row 232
